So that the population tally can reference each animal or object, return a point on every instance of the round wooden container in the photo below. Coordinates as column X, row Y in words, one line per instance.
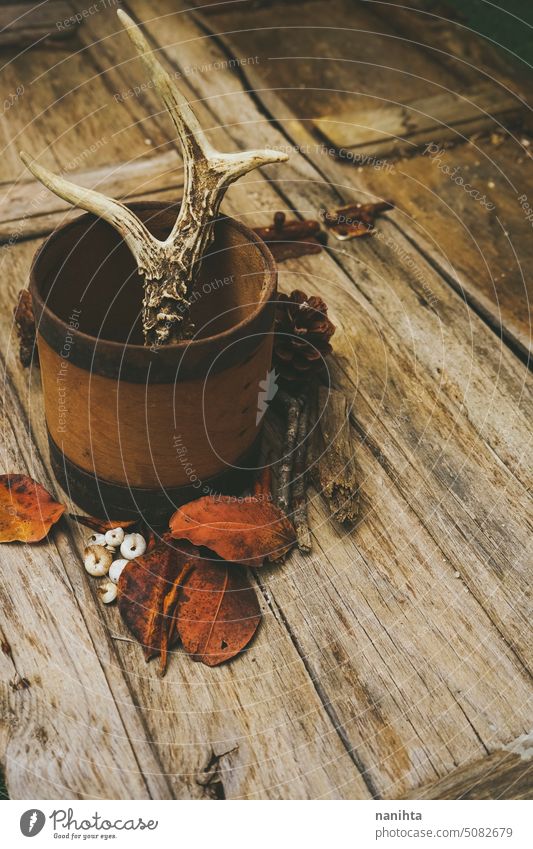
column 136, row 430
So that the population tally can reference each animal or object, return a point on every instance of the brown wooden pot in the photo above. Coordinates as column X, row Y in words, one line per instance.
column 132, row 429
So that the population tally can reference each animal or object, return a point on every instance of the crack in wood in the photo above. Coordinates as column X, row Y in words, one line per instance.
column 320, row 691
column 210, row 777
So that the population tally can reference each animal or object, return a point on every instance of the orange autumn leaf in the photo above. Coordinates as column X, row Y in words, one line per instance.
column 148, row 590
column 27, row 510
column 217, row 612
column 243, row 530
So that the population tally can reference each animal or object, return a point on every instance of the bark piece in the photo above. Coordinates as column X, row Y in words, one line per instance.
column 333, row 468
column 356, row 219
column 299, row 486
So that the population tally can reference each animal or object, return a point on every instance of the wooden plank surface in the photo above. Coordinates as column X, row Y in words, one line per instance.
column 391, row 129
column 482, row 251
column 391, row 658
column 28, row 209
column 505, row 774
column 67, row 114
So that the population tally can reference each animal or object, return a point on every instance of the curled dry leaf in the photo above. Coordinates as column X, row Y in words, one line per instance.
column 217, row 612
column 100, row 526
column 243, row 530
column 27, row 510
column 148, row 590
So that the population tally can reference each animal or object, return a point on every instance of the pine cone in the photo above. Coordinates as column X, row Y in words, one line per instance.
column 302, row 334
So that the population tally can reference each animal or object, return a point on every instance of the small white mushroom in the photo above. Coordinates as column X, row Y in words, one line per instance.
column 108, row 591
column 111, row 548
column 115, row 537
column 97, row 560
column 134, row 545
column 96, row 539
column 116, row 568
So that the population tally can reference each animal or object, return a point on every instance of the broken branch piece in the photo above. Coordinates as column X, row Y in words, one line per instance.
column 168, row 267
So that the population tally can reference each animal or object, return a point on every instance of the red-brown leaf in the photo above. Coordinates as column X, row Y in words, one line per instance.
column 243, row 530
column 147, row 593
column 217, row 612
column 27, row 510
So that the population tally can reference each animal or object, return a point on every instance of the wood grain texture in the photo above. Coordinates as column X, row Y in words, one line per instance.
column 28, row 209
column 502, row 775
column 482, row 254
column 392, row 129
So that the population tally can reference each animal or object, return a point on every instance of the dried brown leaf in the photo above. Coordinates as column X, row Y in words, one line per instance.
column 27, row 510
column 147, row 593
column 217, row 612
column 243, row 530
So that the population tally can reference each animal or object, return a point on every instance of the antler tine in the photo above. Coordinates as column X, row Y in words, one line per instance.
column 192, row 137
column 198, row 153
column 139, row 240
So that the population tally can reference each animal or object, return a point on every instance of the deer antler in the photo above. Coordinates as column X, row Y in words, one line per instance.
column 168, row 267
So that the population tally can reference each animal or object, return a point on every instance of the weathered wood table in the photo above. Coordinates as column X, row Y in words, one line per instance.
column 394, row 661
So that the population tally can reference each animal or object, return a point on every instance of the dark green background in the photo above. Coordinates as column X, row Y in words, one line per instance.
column 497, row 20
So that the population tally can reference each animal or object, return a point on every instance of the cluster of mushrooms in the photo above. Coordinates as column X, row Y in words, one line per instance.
column 99, row 558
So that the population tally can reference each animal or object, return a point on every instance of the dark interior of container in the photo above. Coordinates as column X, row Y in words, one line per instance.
column 87, row 267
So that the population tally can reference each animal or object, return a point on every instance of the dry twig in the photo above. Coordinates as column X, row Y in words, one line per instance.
column 292, row 407
column 299, row 486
